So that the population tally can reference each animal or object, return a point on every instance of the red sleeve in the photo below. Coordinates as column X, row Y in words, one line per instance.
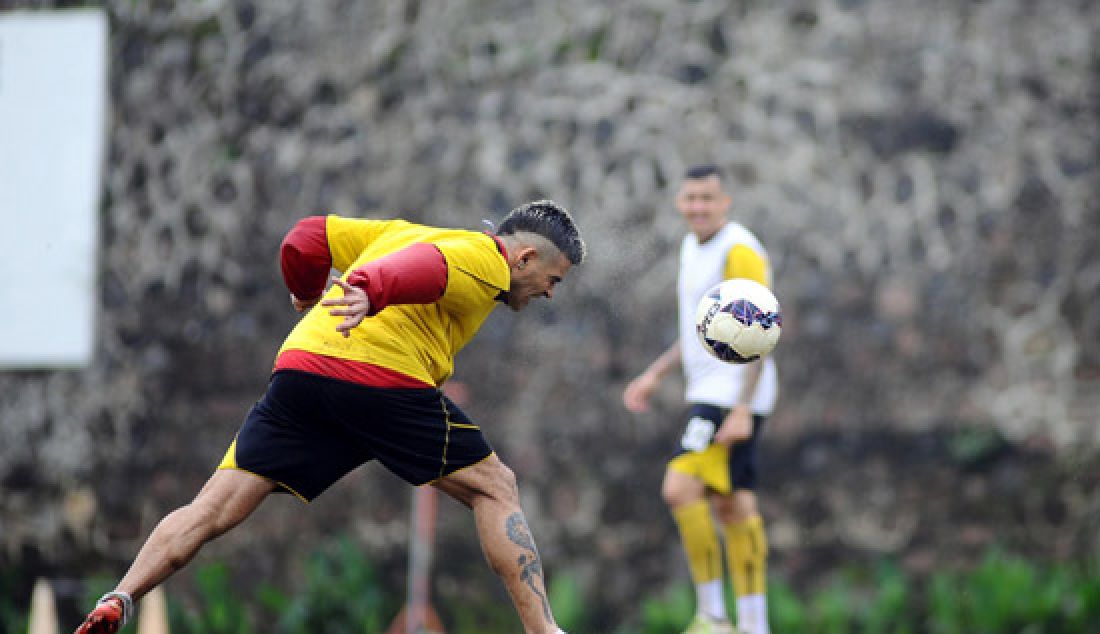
column 416, row 274
column 305, row 258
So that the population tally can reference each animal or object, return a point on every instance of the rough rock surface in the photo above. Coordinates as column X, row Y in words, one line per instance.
column 924, row 174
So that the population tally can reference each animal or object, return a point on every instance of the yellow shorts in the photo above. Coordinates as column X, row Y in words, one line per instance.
column 710, row 465
column 722, row 469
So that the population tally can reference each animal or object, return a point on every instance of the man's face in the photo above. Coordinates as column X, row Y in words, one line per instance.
column 704, row 205
column 536, row 274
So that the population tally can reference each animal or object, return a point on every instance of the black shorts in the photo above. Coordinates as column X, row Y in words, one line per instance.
column 702, row 422
column 308, row 431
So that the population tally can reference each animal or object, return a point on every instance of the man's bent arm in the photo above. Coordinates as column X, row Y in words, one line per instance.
column 737, row 426
column 416, row 274
column 637, row 392
column 668, row 360
column 753, row 370
column 305, row 259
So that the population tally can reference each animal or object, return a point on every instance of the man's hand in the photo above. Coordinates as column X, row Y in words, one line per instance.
column 355, row 306
column 302, row 305
column 736, row 428
column 637, row 392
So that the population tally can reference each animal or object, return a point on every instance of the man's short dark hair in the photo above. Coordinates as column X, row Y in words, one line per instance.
column 704, row 170
column 549, row 220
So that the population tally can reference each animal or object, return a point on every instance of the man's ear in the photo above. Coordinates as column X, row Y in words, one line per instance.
column 525, row 255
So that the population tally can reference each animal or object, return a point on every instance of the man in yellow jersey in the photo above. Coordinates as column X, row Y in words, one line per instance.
column 713, row 468
column 359, row 379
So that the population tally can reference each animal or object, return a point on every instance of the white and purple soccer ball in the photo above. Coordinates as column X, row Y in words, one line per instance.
column 738, row 321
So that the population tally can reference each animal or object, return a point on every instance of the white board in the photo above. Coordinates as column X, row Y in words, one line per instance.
column 53, row 115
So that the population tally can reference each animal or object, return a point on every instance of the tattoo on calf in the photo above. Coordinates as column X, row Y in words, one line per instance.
column 530, row 565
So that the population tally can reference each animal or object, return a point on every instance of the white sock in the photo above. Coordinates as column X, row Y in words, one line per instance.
column 711, row 602
column 752, row 614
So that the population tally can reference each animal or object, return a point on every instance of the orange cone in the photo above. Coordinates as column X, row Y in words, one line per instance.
column 43, row 615
column 153, row 613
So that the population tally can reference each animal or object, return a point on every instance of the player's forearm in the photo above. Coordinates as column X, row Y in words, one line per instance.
column 305, row 258
column 416, row 274
column 751, row 378
column 668, row 360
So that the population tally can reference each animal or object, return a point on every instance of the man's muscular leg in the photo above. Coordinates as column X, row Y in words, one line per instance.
column 489, row 489
column 227, row 498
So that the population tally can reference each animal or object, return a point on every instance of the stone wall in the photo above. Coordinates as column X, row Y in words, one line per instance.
column 923, row 173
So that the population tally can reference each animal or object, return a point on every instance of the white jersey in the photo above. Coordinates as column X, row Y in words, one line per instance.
column 708, row 380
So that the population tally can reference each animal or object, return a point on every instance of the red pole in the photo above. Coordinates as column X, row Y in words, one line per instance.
column 418, row 616
column 420, row 560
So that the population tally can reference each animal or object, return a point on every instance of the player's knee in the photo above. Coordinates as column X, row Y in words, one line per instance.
column 675, row 499
column 501, row 484
column 741, row 507
column 676, row 495
column 488, row 482
column 723, row 508
column 670, row 496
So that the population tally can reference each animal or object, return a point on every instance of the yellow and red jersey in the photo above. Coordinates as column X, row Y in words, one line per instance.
column 430, row 290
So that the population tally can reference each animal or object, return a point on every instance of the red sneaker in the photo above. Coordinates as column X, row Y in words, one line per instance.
column 106, row 618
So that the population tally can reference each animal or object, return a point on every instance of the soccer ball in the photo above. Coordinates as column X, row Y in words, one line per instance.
column 738, row 321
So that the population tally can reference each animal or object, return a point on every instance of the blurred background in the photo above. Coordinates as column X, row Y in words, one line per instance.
column 923, row 173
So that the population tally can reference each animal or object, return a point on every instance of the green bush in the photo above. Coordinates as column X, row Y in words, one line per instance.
column 12, row 617
column 223, row 610
column 669, row 613
column 1008, row 594
column 894, row 605
column 340, row 593
column 1002, row 595
column 480, row 617
column 786, row 610
column 569, row 603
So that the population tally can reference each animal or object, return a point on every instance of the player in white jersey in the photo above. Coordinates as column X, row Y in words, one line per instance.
column 713, row 471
